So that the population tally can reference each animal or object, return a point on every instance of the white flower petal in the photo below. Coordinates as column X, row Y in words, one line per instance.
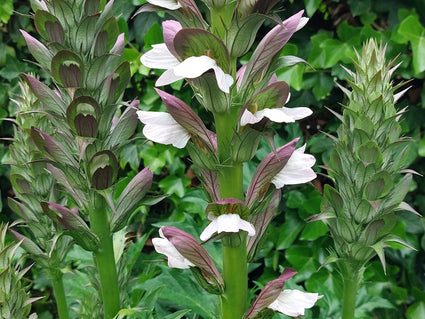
column 277, row 115
column 175, row 259
column 229, row 223
column 302, row 23
column 296, row 113
column 249, row 118
column 195, row 66
column 297, row 170
column 167, row 4
column 224, row 81
column 159, row 58
column 160, row 127
column 168, row 77
column 294, row 302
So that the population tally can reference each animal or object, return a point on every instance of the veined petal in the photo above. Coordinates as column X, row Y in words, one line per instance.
column 169, row 30
column 175, row 259
column 297, row 170
column 160, row 127
column 294, row 302
column 167, row 4
column 195, row 66
column 159, row 58
column 229, row 223
column 277, row 115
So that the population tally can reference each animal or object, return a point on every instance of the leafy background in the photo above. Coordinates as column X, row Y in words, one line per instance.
column 327, row 43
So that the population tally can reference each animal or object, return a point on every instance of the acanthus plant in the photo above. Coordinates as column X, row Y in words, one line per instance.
column 244, row 103
column 367, row 167
column 82, row 50
column 33, row 184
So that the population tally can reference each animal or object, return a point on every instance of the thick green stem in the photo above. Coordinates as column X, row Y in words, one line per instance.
column 235, row 271
column 105, row 259
column 235, row 275
column 59, row 292
column 351, row 282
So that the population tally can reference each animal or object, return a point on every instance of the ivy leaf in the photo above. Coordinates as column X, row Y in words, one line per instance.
column 174, row 185
column 311, row 6
column 410, row 28
column 6, row 10
column 417, row 310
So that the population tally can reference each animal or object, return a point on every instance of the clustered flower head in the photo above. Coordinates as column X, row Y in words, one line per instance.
column 367, row 165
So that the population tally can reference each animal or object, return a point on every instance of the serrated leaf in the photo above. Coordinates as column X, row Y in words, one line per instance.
column 303, row 259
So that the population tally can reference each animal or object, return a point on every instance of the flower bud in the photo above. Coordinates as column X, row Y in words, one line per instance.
column 83, row 115
column 103, row 169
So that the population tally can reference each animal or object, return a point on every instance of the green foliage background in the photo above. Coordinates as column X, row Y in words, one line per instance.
column 326, row 43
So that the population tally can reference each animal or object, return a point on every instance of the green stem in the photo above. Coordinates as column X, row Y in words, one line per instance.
column 105, row 259
column 235, row 276
column 59, row 292
column 235, row 268
column 351, row 282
